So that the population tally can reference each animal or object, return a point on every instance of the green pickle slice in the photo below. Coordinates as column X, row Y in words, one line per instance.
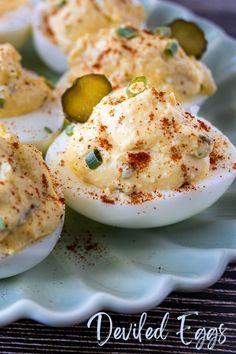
column 190, row 36
column 86, row 92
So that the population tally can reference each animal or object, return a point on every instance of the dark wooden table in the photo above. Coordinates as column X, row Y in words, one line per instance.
column 215, row 305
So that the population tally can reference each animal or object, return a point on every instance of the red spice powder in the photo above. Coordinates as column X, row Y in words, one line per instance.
column 44, row 181
column 139, row 160
column 147, row 31
column 62, row 200
column 84, row 246
column 140, row 197
column 37, row 192
column 176, row 156
column 169, row 126
column 72, row 247
column 96, row 66
column 151, row 116
column 189, row 115
column 91, row 247
column 186, row 187
column 139, row 143
column 102, row 55
column 234, row 166
column 160, row 95
column 215, row 157
column 47, row 29
column 104, row 143
column 128, row 48
column 115, row 87
column 15, row 145
column 185, row 171
column 203, row 126
column 121, row 118
column 165, row 123
column 107, row 200
column 113, row 101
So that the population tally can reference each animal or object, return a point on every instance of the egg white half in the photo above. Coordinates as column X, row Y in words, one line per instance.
column 171, row 208
column 30, row 256
column 32, row 128
column 15, row 26
column 51, row 54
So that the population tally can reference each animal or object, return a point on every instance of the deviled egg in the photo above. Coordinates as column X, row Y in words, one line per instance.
column 140, row 160
column 15, row 21
column 58, row 24
column 31, row 207
column 29, row 107
column 127, row 52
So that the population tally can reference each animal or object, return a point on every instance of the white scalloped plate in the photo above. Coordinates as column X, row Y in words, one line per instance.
column 95, row 267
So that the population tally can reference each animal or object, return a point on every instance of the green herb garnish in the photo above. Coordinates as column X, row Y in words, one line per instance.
column 70, row 129
column 62, row 3
column 50, row 84
column 204, row 148
column 2, row 224
column 137, row 86
column 2, row 102
column 48, row 130
column 93, row 159
column 127, row 32
column 171, row 48
column 163, row 32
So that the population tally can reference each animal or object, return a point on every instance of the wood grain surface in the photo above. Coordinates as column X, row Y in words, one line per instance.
column 215, row 305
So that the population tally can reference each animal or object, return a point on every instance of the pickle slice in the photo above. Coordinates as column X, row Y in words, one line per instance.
column 190, row 36
column 86, row 92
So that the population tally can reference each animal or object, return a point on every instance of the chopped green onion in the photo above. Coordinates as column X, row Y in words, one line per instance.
column 50, row 84
column 127, row 32
column 93, row 159
column 70, row 129
column 204, row 148
column 2, row 102
column 205, row 139
column 62, row 3
column 48, row 130
column 163, row 32
column 134, row 88
column 171, row 48
column 202, row 152
column 2, row 224
column 65, row 124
